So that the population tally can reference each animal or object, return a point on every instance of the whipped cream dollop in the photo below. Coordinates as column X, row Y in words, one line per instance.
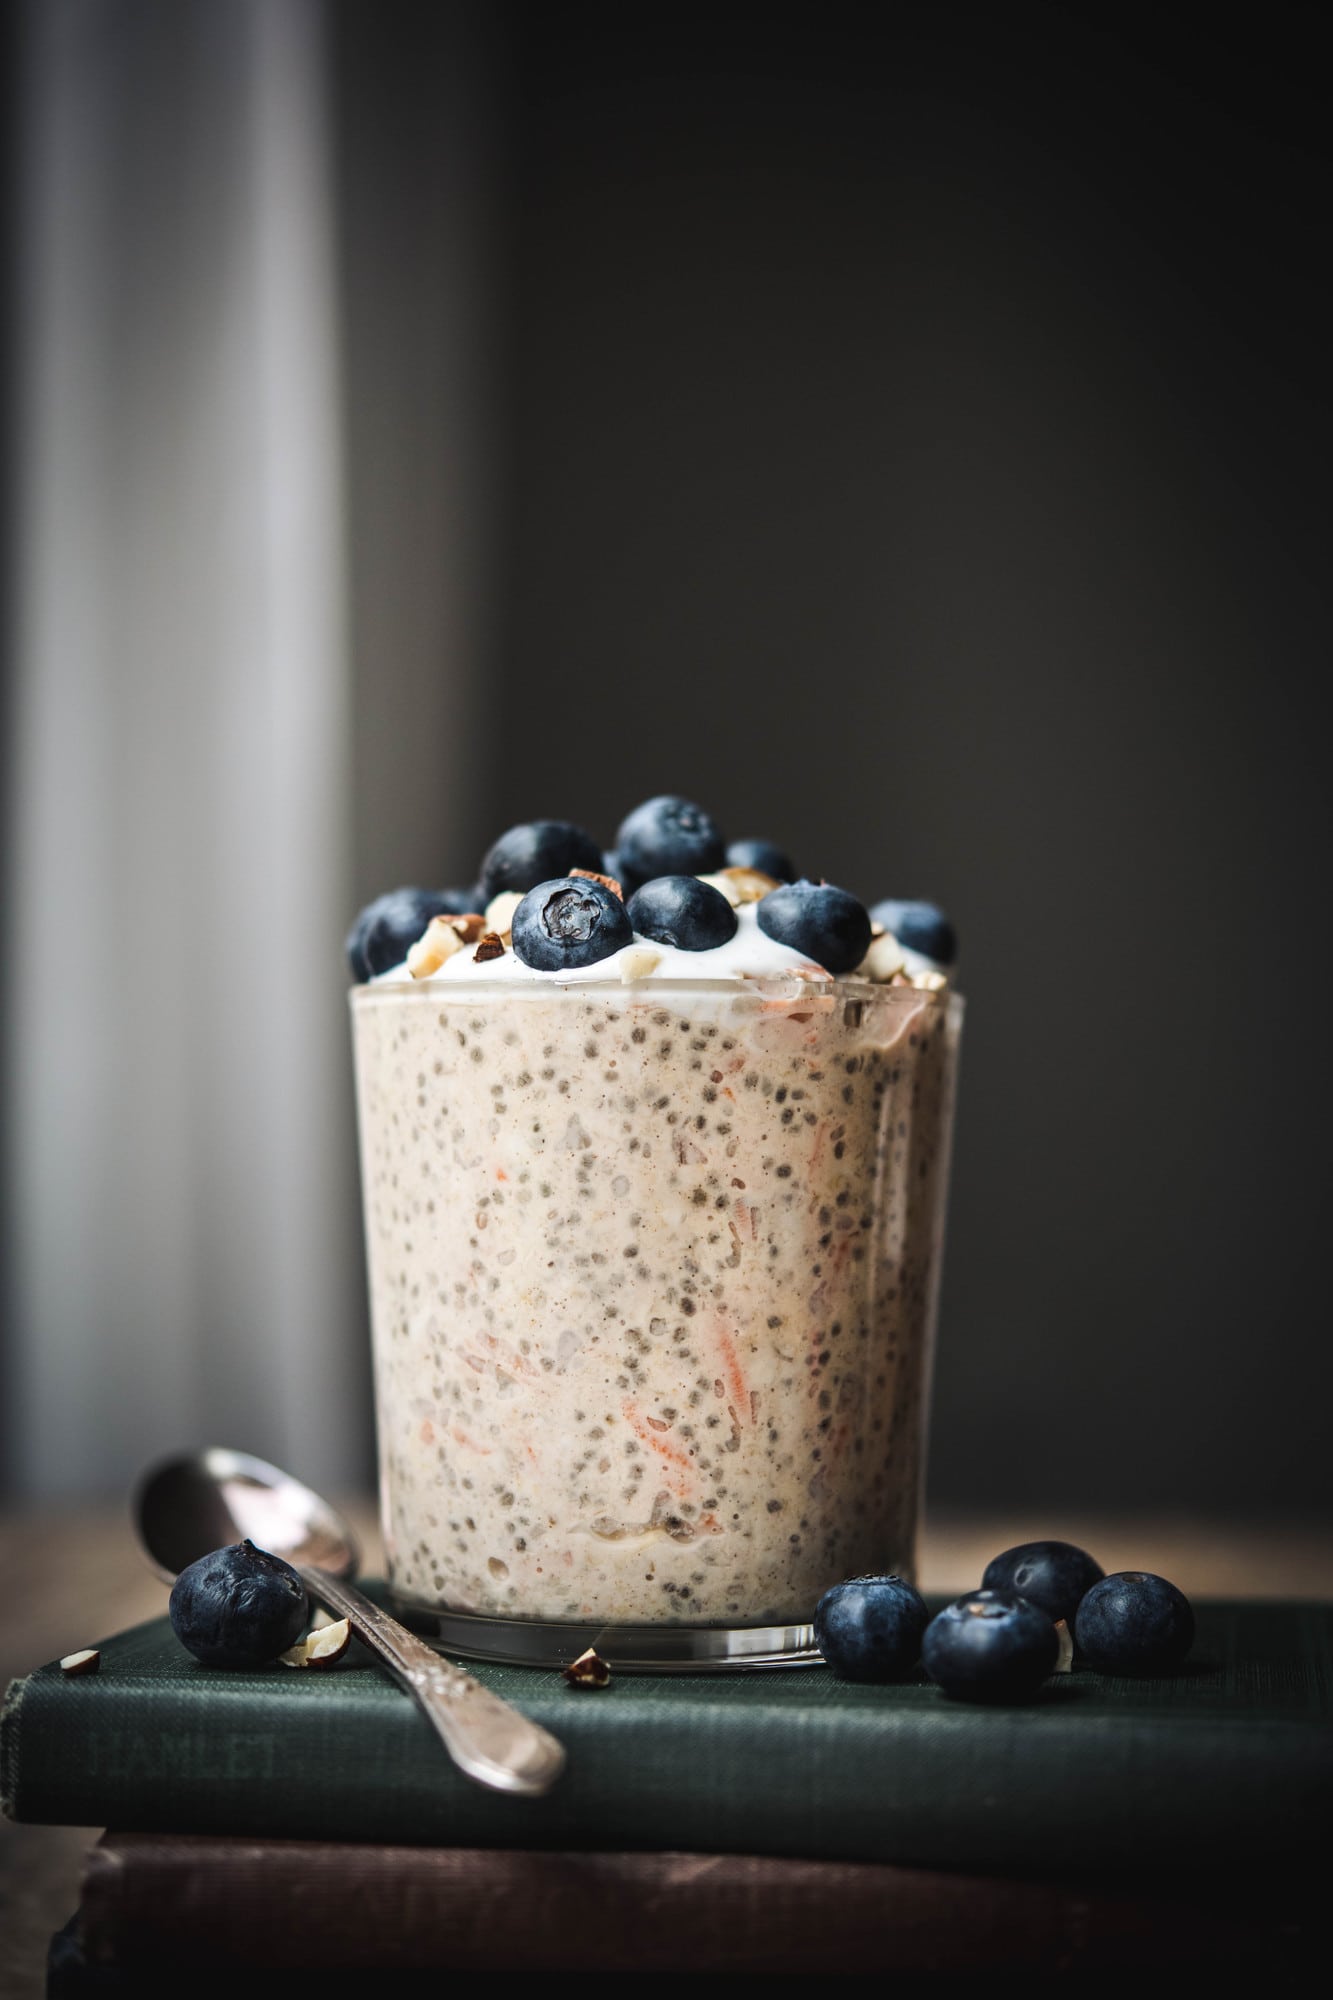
column 750, row 954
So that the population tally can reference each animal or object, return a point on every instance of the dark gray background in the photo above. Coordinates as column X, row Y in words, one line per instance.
column 905, row 429
column 917, row 439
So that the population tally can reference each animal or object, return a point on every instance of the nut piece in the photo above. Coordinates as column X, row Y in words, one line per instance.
column 440, row 940
column 884, row 958
column 607, row 881
column 588, row 1671
column 319, row 1648
column 500, row 913
column 930, row 982
column 637, row 962
column 85, row 1662
column 489, row 947
column 1064, row 1659
column 741, row 885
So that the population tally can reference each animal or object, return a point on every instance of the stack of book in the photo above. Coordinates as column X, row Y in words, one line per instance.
column 274, row 1822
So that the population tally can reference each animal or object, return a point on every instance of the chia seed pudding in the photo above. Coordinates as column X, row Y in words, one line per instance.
column 654, row 1253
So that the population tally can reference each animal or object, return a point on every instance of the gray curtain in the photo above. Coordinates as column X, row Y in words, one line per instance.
column 182, row 848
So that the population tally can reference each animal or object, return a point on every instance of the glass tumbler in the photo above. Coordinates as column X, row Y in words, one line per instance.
column 653, row 1283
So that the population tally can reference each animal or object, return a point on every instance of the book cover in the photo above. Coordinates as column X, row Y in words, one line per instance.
column 1231, row 1758
column 296, row 1905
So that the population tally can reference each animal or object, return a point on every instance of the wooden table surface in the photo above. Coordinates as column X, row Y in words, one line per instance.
column 69, row 1579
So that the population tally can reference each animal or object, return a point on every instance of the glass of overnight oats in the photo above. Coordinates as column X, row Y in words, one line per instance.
column 654, row 1154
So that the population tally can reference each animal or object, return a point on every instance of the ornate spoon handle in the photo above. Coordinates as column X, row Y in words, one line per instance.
column 486, row 1738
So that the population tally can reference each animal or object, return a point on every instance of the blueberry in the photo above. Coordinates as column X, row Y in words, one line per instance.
column 1134, row 1623
column 825, row 923
column 668, row 836
column 764, row 856
column 682, row 910
column 920, row 927
column 991, row 1645
column 383, row 931
column 870, row 1629
column 238, row 1607
column 1052, row 1575
column 611, row 865
column 535, row 852
column 562, row 924
column 468, row 902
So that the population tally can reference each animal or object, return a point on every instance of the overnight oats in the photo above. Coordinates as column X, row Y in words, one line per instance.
column 654, row 1166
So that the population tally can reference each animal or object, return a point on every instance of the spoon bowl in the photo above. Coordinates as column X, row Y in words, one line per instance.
column 187, row 1506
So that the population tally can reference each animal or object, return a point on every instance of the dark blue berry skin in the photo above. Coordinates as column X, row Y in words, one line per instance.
column 682, row 910
column 764, row 856
column 991, row 1645
column 535, row 852
column 561, row 925
column 238, row 1607
column 870, row 1629
column 383, row 931
column 920, row 927
column 611, row 866
column 668, row 836
column 825, row 923
column 1134, row 1623
column 1053, row 1575
column 464, row 902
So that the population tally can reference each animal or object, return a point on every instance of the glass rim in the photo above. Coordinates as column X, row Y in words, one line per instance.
column 761, row 987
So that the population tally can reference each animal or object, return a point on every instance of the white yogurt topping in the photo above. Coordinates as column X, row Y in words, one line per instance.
column 749, row 954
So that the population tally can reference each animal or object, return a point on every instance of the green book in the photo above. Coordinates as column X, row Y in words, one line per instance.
column 1226, row 1764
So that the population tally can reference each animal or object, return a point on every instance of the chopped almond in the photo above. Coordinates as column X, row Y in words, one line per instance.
column 742, row 885
column 500, row 913
column 321, row 1648
column 637, row 961
column 588, row 1671
column 884, row 958
column 441, row 938
column 607, row 881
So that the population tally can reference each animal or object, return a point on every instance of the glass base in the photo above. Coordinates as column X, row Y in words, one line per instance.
column 627, row 1649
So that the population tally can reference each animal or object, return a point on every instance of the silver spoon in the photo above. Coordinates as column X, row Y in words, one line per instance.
column 186, row 1507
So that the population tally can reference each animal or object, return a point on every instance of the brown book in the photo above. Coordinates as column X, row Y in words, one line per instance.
column 150, row 1899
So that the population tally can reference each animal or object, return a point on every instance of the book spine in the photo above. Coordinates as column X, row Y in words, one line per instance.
column 314, row 1905
column 1010, row 1792
column 10, row 1709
